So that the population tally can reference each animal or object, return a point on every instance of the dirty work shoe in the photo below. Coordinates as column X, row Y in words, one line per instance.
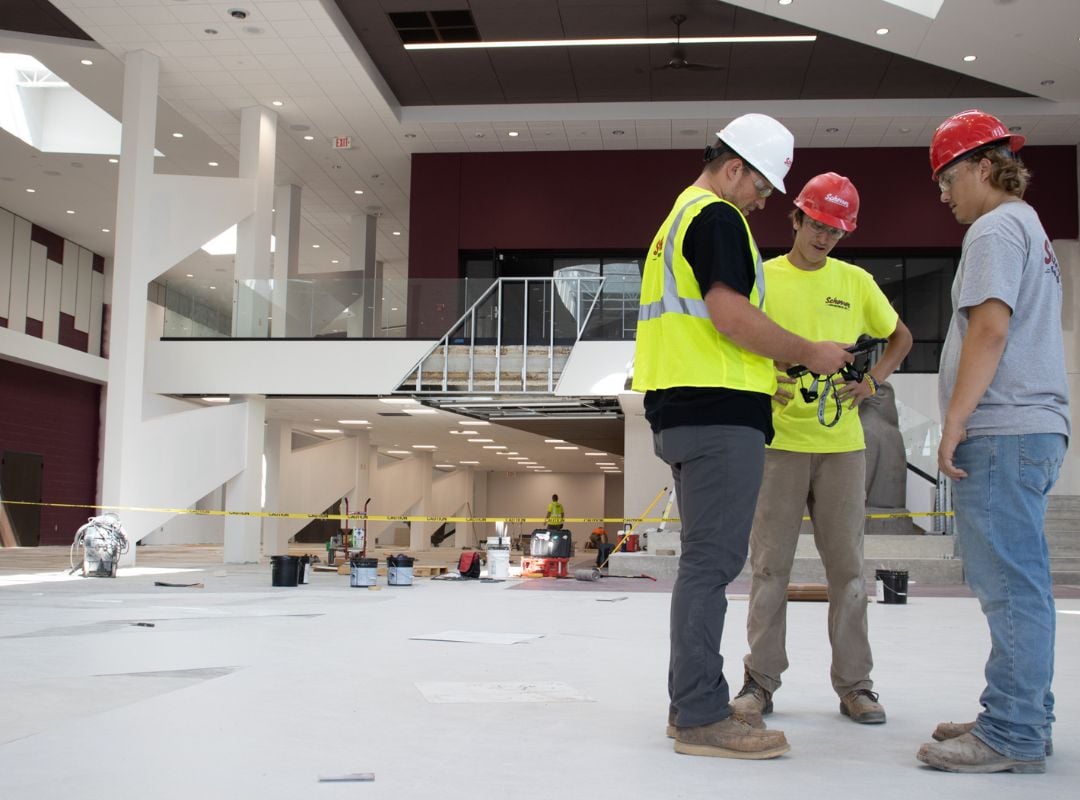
column 969, row 753
column 950, row 730
column 730, row 738
column 753, row 700
column 862, row 706
column 751, row 718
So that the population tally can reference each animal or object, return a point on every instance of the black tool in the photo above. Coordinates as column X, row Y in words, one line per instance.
column 864, row 345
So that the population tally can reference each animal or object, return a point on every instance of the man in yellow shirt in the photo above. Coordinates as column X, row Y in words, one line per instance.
column 816, row 459
column 553, row 520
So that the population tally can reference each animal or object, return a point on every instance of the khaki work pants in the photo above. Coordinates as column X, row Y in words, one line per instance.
column 833, row 487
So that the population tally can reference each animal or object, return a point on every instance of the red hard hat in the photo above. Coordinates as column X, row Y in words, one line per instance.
column 964, row 132
column 831, row 199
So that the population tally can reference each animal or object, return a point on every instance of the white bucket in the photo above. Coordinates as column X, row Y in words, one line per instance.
column 498, row 563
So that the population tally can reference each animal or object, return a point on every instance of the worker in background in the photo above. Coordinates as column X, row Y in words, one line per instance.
column 1005, row 426
column 816, row 459
column 553, row 520
column 704, row 358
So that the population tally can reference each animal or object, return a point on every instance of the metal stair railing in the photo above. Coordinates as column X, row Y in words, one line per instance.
column 568, row 293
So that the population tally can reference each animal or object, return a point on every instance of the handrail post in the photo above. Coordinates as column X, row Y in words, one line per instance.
column 525, row 334
column 498, row 336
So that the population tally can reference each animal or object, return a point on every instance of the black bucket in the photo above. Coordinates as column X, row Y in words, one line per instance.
column 284, row 570
column 891, row 586
column 399, row 570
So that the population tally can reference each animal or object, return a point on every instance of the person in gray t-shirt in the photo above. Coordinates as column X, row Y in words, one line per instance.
column 1005, row 428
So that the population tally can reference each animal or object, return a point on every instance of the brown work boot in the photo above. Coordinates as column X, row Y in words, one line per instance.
column 750, row 718
column 950, row 730
column 968, row 753
column 753, row 700
column 730, row 738
column 863, row 707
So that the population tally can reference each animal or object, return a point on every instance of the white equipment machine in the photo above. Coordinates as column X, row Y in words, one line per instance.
column 103, row 541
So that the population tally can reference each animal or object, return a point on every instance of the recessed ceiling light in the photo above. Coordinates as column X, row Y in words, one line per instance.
column 309, row 138
column 396, row 233
column 69, row 211
column 512, row 133
column 444, row 466
column 276, row 103
column 832, row 130
column 605, row 463
column 970, row 58
column 106, row 230
column 567, row 447
column 31, row 191
column 177, row 135
column 594, row 453
column 215, row 399
column 87, row 62
column 114, row 160
column 905, row 130
column 519, row 458
column 315, row 246
column 357, row 191
column 399, row 452
column 554, row 441
column 881, row 31
column 325, row 430
column 1015, row 128
column 213, row 287
column 481, row 441
column 410, row 135
column 424, row 447
column 210, row 31
column 785, row 2
column 617, row 132
column 468, row 462
column 353, row 422
column 190, row 275
column 211, row 163
column 478, row 135
column 334, row 261
column 1046, row 83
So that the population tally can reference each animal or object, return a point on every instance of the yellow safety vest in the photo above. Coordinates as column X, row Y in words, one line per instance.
column 677, row 342
column 555, row 513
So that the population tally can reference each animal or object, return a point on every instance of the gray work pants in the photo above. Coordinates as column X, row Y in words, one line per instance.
column 717, row 472
column 833, row 487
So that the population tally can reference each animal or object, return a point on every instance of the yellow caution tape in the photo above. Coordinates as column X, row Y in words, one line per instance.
column 403, row 517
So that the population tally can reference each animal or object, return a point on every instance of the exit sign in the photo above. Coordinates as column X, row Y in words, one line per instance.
column 342, row 142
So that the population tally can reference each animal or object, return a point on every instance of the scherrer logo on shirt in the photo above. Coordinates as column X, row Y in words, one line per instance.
column 836, row 302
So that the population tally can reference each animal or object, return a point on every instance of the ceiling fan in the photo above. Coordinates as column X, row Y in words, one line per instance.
column 678, row 59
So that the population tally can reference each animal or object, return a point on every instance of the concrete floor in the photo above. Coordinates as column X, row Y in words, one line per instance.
column 242, row 690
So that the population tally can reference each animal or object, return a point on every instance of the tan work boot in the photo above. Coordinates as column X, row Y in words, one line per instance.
column 863, row 707
column 753, row 700
column 969, row 753
column 730, row 738
column 950, row 730
column 750, row 718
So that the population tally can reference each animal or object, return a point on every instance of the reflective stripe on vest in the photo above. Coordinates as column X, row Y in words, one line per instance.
column 670, row 302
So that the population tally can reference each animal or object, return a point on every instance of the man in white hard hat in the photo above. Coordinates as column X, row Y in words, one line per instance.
column 704, row 358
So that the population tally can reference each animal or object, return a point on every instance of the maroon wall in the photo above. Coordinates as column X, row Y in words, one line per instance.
column 58, row 418
column 586, row 200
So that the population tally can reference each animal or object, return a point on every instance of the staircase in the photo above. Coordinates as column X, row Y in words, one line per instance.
column 466, row 368
column 1063, row 539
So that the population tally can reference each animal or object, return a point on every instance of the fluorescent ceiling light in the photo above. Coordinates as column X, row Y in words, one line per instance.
column 468, row 462
column 566, row 447
column 224, row 244
column 658, row 40
column 605, row 463
column 593, row 453
column 928, row 8
column 554, row 441
column 215, row 399
column 494, row 446
column 398, row 401
column 399, row 452
column 519, row 458
column 326, row 430
column 353, row 422
column 463, row 433
column 423, row 447
column 420, row 410
column 481, row 441
column 444, row 466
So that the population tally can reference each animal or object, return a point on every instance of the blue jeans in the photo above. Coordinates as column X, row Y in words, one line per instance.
column 1000, row 509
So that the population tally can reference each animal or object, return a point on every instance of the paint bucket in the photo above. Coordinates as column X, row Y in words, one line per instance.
column 304, row 570
column 363, row 572
column 891, row 586
column 399, row 570
column 498, row 563
column 284, row 570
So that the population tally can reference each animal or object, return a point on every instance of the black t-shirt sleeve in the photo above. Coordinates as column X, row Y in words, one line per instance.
column 717, row 247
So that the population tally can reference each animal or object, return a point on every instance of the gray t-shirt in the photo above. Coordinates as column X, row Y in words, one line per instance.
column 1007, row 256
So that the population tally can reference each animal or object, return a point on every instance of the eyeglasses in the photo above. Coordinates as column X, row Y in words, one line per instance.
column 945, row 180
column 828, row 230
column 763, row 187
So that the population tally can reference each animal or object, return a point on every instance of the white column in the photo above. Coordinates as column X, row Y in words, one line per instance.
column 362, row 259
column 243, row 535
column 127, row 324
column 420, row 532
column 258, row 144
column 277, row 444
column 286, row 257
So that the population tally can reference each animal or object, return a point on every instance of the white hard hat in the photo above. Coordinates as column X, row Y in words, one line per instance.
column 763, row 143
